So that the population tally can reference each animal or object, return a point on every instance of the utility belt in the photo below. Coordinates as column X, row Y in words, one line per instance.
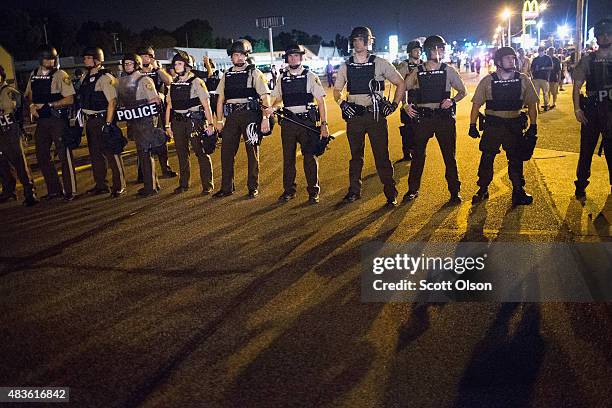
column 426, row 113
column 252, row 105
column 6, row 121
column 187, row 116
column 522, row 119
column 595, row 102
column 88, row 116
column 139, row 112
column 48, row 112
column 312, row 114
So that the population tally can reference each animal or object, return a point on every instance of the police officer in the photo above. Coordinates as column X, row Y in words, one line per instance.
column 505, row 92
column 139, row 105
column 414, row 50
column 11, row 148
column 434, row 110
column 239, row 93
column 187, row 104
column 50, row 93
column 98, row 100
column 162, row 80
column 297, row 88
column 365, row 111
column 593, row 111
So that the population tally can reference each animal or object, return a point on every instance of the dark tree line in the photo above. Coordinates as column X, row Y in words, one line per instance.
column 22, row 31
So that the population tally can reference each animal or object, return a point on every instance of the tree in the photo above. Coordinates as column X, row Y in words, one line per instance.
column 342, row 43
column 158, row 38
column 195, row 33
column 261, row 46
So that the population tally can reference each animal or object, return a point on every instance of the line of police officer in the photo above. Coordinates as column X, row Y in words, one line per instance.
column 245, row 109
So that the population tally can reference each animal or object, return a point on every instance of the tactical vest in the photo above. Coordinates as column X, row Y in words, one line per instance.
column 432, row 85
column 41, row 88
column 600, row 75
column 359, row 76
column 295, row 89
column 180, row 94
column 236, row 84
column 159, row 86
column 90, row 98
column 506, row 93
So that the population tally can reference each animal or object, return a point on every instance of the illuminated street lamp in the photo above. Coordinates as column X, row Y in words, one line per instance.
column 507, row 14
column 563, row 32
column 499, row 30
column 539, row 26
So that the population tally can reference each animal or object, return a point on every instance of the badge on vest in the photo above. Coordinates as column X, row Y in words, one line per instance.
column 143, row 111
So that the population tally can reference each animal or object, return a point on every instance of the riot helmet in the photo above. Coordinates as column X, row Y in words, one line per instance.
column 240, row 46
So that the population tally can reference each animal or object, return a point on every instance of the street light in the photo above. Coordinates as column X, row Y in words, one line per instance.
column 539, row 26
column 562, row 32
column 498, row 30
column 507, row 14
column 543, row 6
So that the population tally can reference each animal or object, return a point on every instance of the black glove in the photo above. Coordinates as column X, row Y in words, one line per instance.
column 347, row 109
column 388, row 108
column 473, row 132
column 532, row 131
column 107, row 130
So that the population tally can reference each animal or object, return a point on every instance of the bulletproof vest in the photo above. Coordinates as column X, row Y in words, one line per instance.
column 412, row 66
column 90, row 98
column 506, row 93
column 41, row 87
column 180, row 93
column 600, row 75
column 432, row 85
column 155, row 77
column 6, row 119
column 236, row 84
column 360, row 75
column 295, row 89
column 212, row 82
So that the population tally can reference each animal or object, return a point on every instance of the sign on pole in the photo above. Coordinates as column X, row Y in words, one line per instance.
column 269, row 23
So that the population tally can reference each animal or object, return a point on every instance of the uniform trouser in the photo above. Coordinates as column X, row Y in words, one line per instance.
column 443, row 126
column 101, row 156
column 356, row 129
column 507, row 135
column 291, row 135
column 543, row 86
column 49, row 131
column 142, row 130
column 182, row 139
column 11, row 155
column 235, row 127
column 589, row 136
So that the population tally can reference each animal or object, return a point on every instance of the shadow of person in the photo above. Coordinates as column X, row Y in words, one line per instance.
column 504, row 365
column 604, row 219
column 418, row 322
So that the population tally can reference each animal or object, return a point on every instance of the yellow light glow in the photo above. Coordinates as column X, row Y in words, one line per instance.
column 506, row 14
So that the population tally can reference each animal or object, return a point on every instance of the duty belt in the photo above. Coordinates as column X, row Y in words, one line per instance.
column 430, row 113
column 230, row 108
column 94, row 115
column 185, row 116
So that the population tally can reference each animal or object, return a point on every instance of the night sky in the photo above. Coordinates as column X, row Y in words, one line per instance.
column 451, row 18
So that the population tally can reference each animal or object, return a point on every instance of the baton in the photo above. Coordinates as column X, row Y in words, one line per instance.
column 295, row 122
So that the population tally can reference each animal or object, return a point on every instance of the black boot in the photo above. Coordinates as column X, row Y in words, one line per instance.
column 481, row 195
column 520, row 197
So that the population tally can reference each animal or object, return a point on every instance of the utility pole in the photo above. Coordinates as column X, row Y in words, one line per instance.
column 579, row 25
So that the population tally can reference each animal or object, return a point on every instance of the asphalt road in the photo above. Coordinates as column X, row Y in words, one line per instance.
column 184, row 300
